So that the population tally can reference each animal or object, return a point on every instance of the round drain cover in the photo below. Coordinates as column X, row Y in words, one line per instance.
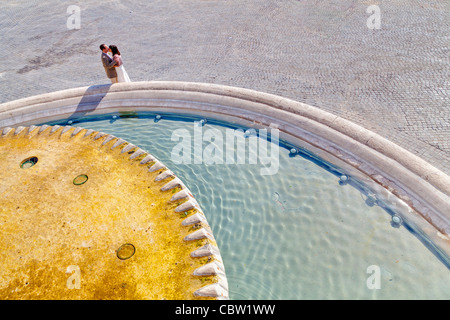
column 126, row 251
column 29, row 162
column 80, row 179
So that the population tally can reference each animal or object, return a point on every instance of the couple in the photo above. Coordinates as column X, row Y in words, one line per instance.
column 114, row 68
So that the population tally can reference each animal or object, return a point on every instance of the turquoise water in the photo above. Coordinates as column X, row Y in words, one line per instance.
column 296, row 234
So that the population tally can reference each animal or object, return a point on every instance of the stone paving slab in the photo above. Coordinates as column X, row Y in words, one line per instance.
column 393, row 80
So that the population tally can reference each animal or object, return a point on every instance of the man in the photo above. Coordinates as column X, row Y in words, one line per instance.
column 108, row 63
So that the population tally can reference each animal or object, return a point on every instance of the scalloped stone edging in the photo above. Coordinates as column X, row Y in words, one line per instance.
column 214, row 268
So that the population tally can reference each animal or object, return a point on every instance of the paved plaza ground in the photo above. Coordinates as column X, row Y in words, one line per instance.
column 393, row 80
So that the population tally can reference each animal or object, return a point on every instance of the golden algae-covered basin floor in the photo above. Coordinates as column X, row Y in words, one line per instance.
column 60, row 237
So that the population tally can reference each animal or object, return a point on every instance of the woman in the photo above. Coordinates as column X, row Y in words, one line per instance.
column 122, row 75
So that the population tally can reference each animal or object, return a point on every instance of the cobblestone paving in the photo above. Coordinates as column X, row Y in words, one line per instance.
column 393, row 80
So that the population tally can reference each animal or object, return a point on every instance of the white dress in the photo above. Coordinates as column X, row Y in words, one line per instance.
column 122, row 75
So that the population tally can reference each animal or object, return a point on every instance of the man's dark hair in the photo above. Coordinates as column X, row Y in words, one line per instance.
column 102, row 46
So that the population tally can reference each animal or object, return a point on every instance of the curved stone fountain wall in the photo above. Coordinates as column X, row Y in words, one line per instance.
column 386, row 167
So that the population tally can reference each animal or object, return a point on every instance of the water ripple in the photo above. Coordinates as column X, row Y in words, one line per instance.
column 297, row 234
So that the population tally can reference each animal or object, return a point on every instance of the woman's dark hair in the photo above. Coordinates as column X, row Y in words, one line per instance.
column 114, row 50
